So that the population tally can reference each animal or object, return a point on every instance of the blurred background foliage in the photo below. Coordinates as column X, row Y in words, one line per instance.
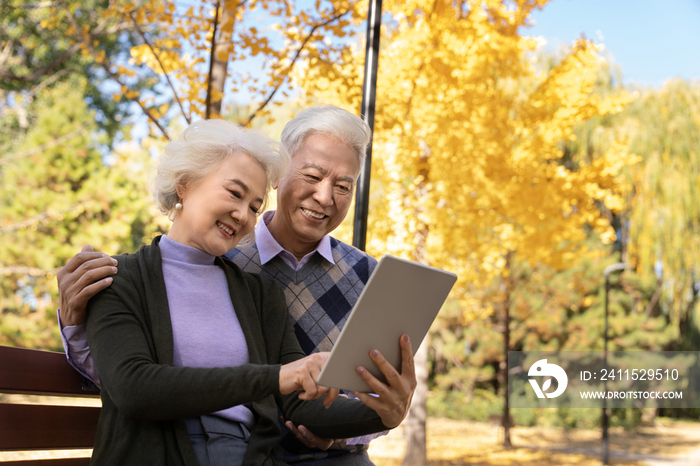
column 58, row 192
column 653, row 307
column 75, row 161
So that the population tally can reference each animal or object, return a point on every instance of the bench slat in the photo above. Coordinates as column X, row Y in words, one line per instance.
column 40, row 427
column 50, row 462
column 39, row 373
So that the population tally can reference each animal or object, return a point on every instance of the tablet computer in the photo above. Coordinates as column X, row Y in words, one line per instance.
column 401, row 297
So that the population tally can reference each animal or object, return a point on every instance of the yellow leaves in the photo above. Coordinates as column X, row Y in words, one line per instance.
column 217, row 95
column 222, row 55
column 100, row 57
column 170, row 59
column 608, row 235
column 190, row 28
column 465, row 91
column 126, row 92
column 322, row 83
column 124, row 71
column 127, row 7
column 160, row 111
column 227, row 27
column 141, row 53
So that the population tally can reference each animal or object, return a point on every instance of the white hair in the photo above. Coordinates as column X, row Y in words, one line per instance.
column 202, row 148
column 328, row 120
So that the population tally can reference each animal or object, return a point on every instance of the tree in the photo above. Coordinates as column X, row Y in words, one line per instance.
column 469, row 172
column 665, row 215
column 56, row 194
column 181, row 54
column 659, row 231
column 41, row 46
column 550, row 310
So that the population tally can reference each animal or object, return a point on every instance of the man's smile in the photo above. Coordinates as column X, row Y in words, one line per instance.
column 313, row 214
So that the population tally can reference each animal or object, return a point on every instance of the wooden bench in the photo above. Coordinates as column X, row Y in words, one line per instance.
column 43, row 427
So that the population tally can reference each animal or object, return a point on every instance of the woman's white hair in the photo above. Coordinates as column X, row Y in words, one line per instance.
column 202, row 148
column 328, row 120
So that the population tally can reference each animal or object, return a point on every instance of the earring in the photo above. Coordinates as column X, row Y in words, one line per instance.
column 178, row 206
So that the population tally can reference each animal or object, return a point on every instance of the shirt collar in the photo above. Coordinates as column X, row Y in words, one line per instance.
column 268, row 247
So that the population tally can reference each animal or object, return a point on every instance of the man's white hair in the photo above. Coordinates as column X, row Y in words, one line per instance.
column 331, row 121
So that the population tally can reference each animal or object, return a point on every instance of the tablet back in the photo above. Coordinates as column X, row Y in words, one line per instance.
column 401, row 297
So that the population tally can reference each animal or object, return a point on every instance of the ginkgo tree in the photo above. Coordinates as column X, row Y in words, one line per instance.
column 199, row 51
column 468, row 170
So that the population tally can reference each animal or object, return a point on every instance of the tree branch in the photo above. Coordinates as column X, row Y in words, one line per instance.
column 212, row 58
column 150, row 47
column 291, row 65
column 5, row 54
column 47, row 82
column 41, row 71
column 36, row 219
column 409, row 104
column 86, row 41
column 654, row 299
column 100, row 31
column 46, row 145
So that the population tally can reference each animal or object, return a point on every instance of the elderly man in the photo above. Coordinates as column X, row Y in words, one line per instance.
column 321, row 277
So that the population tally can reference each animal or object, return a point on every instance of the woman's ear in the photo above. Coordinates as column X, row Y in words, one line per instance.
column 181, row 191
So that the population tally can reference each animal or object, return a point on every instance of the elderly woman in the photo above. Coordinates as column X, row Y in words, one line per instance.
column 196, row 356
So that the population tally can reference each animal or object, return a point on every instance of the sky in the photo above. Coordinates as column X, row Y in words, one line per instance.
column 652, row 41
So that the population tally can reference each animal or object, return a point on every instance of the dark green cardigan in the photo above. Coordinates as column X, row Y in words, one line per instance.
column 145, row 399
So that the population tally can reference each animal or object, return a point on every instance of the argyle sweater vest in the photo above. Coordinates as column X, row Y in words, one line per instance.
column 320, row 297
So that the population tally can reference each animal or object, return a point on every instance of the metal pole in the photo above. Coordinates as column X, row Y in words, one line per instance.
column 369, row 95
column 606, row 440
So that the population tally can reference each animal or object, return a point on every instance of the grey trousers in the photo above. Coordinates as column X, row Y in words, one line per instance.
column 218, row 441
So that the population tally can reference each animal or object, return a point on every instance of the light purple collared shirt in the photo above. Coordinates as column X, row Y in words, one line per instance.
column 268, row 247
column 74, row 338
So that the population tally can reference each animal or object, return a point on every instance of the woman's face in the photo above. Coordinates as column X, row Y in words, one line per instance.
column 222, row 208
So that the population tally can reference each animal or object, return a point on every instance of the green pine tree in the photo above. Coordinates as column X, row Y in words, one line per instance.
column 57, row 194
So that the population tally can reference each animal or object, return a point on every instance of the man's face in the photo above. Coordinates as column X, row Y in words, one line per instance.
column 314, row 196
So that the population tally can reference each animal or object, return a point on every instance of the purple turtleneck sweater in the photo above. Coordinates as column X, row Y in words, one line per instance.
column 206, row 331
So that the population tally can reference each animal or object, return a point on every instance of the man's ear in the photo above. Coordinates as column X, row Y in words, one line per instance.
column 276, row 184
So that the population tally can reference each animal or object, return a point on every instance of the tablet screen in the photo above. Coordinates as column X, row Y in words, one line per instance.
column 401, row 297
